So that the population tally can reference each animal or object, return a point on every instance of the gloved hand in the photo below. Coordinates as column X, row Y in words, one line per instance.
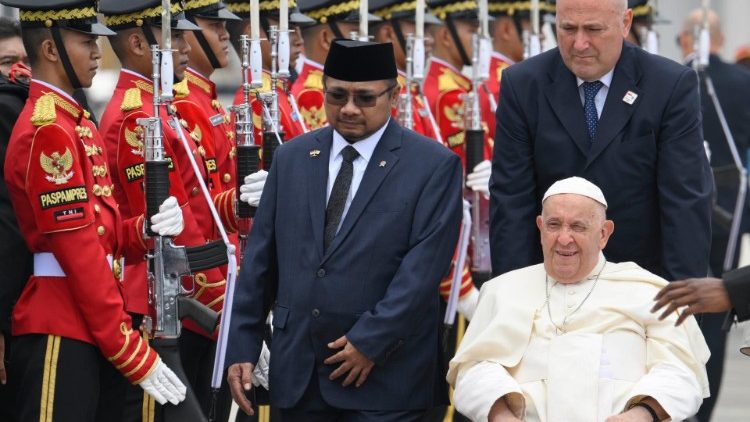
column 169, row 221
column 252, row 188
column 479, row 179
column 163, row 385
column 260, row 373
column 468, row 304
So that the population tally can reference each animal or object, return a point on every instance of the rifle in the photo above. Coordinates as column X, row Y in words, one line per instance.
column 474, row 140
column 248, row 152
column 405, row 99
column 418, row 64
column 168, row 301
column 531, row 41
column 272, row 135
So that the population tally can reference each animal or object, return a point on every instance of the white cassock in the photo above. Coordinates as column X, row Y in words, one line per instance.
column 612, row 351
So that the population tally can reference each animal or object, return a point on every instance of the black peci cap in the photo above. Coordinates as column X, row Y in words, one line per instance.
column 358, row 61
column 119, row 14
column 76, row 15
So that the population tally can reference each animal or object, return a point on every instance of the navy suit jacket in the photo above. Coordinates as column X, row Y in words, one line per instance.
column 377, row 283
column 648, row 159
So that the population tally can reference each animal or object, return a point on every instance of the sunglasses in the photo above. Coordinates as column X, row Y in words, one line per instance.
column 339, row 97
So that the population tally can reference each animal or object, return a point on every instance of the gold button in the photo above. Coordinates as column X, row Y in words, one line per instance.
column 100, row 230
column 194, row 191
column 227, row 178
column 97, row 209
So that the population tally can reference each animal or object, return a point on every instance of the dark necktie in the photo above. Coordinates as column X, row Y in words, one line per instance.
column 590, row 89
column 337, row 201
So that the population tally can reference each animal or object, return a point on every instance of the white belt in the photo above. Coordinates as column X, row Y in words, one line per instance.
column 46, row 265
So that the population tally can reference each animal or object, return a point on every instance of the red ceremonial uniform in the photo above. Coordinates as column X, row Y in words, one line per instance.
column 221, row 146
column 421, row 117
column 290, row 121
column 203, row 93
column 133, row 100
column 61, row 189
column 307, row 89
column 444, row 87
column 498, row 63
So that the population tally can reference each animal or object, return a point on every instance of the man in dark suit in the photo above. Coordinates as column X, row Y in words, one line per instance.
column 355, row 229
column 629, row 121
column 732, row 89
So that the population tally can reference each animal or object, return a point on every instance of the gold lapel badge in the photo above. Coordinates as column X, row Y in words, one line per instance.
column 314, row 153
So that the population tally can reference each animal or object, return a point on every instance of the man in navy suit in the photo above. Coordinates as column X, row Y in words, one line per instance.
column 355, row 229
column 607, row 111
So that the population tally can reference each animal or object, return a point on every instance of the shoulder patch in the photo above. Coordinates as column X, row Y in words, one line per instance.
column 449, row 80
column 44, row 110
column 131, row 100
column 181, row 88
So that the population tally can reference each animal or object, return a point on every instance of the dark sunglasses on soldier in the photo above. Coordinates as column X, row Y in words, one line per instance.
column 340, row 97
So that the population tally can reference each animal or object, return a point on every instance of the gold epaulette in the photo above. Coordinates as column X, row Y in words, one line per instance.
column 131, row 100
column 449, row 80
column 44, row 110
column 181, row 88
column 314, row 80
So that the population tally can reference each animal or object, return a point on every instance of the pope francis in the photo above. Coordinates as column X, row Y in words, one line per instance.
column 572, row 339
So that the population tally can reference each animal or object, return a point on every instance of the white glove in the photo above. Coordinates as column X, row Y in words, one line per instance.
column 252, row 188
column 260, row 373
column 468, row 304
column 479, row 179
column 163, row 385
column 169, row 221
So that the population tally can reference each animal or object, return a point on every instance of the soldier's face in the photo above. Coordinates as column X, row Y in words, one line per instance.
column 180, row 54
column 355, row 121
column 465, row 30
column 590, row 35
column 573, row 231
column 11, row 52
column 297, row 45
column 84, row 54
column 215, row 32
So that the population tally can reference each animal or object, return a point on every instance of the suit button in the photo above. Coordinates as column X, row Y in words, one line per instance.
column 227, row 178
column 194, row 192
column 100, row 230
column 315, row 313
column 321, row 273
column 97, row 209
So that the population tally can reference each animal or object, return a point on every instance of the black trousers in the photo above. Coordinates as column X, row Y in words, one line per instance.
column 197, row 353
column 313, row 408
column 58, row 379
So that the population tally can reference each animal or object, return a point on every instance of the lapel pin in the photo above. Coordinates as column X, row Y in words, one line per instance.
column 630, row 97
column 382, row 164
column 314, row 153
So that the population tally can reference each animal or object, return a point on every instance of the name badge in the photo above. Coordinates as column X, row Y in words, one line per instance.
column 217, row 119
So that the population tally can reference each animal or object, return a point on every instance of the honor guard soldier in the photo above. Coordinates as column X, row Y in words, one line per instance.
column 643, row 18
column 291, row 123
column 197, row 101
column 512, row 19
column 209, row 51
column 398, row 22
column 334, row 19
column 71, row 331
column 138, row 26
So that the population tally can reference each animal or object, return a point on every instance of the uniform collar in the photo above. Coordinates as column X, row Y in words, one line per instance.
column 312, row 63
column 129, row 78
column 206, row 85
column 502, row 57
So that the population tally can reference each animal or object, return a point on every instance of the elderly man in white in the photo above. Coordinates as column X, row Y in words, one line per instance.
column 572, row 339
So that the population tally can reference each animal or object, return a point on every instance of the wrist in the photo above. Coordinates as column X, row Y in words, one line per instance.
column 646, row 410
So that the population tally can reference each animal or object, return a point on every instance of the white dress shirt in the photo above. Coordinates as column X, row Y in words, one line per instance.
column 601, row 96
column 365, row 148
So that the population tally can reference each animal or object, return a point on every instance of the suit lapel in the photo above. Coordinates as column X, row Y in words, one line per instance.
column 563, row 96
column 617, row 112
column 317, row 167
column 371, row 180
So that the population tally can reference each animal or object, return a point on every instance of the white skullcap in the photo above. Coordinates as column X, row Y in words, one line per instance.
column 576, row 185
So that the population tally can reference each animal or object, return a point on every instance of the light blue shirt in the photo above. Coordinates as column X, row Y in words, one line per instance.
column 601, row 96
column 365, row 148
